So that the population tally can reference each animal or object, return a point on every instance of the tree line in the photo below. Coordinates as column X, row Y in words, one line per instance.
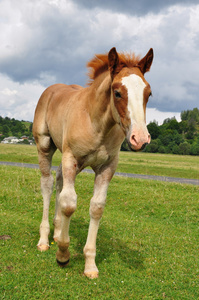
column 170, row 137
column 173, row 136
column 12, row 127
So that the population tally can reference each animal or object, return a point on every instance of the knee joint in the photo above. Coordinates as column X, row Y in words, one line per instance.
column 68, row 203
column 96, row 210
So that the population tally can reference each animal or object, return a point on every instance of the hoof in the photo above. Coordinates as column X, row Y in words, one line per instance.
column 91, row 274
column 62, row 264
column 43, row 247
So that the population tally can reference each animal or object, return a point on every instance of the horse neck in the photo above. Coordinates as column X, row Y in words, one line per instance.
column 100, row 104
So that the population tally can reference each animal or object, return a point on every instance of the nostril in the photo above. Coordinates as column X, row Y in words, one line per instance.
column 133, row 140
column 143, row 146
column 149, row 139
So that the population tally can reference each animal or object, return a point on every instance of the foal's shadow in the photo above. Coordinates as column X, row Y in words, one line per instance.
column 107, row 244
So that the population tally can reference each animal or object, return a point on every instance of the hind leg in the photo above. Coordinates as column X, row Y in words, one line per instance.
column 46, row 150
column 57, row 218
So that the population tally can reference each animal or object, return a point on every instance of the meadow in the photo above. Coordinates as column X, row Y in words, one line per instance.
column 129, row 162
column 147, row 246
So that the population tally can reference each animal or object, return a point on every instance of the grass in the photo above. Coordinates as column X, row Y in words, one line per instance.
column 159, row 164
column 147, row 246
column 23, row 154
column 138, row 163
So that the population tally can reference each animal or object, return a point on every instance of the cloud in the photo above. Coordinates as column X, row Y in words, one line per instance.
column 131, row 7
column 152, row 114
column 174, row 72
column 45, row 42
column 19, row 100
column 8, row 92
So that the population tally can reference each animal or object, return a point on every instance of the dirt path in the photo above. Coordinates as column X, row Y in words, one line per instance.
column 149, row 177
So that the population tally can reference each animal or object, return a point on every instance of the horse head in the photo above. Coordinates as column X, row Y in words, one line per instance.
column 129, row 96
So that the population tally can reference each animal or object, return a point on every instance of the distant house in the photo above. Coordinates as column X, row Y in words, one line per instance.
column 14, row 140
column 31, row 142
column 10, row 140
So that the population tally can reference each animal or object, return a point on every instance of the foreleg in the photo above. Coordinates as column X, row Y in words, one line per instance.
column 97, row 205
column 67, row 203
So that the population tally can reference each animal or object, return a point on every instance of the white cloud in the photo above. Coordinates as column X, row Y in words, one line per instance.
column 152, row 114
column 19, row 100
column 45, row 42
column 8, row 92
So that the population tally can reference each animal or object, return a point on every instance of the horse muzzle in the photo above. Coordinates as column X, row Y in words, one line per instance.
column 138, row 142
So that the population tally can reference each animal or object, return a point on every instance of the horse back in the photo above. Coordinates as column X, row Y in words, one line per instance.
column 52, row 109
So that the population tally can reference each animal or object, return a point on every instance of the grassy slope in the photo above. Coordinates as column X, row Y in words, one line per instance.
column 146, row 247
column 27, row 124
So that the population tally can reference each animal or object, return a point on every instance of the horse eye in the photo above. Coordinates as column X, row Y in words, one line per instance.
column 117, row 94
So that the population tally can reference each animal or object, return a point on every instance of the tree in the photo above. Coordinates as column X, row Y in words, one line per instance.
column 194, row 115
column 175, row 149
column 184, row 148
column 178, row 138
column 5, row 130
column 166, row 138
column 191, row 129
column 152, row 147
column 182, row 127
column 161, row 149
column 30, row 128
column 184, row 115
column 124, row 146
column 173, row 124
column 194, row 148
column 153, row 129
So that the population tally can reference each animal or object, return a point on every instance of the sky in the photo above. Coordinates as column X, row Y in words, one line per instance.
column 43, row 42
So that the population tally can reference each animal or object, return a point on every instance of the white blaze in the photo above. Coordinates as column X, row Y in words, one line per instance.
column 135, row 88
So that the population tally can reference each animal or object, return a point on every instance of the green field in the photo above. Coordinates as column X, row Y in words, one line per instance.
column 130, row 162
column 147, row 246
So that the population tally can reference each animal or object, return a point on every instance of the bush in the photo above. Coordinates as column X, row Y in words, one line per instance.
column 161, row 149
column 194, row 149
column 175, row 149
column 184, row 148
column 152, row 147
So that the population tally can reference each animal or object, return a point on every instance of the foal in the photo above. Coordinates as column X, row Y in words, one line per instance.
column 88, row 125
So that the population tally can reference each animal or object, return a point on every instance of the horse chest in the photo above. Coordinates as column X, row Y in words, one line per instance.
column 101, row 156
column 95, row 158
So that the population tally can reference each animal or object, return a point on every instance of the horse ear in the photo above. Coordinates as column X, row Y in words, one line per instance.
column 145, row 63
column 113, row 61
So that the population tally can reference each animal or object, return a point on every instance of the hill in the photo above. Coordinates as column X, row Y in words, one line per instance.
column 11, row 127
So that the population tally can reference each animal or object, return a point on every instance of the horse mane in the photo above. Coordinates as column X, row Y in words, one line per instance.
column 99, row 64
